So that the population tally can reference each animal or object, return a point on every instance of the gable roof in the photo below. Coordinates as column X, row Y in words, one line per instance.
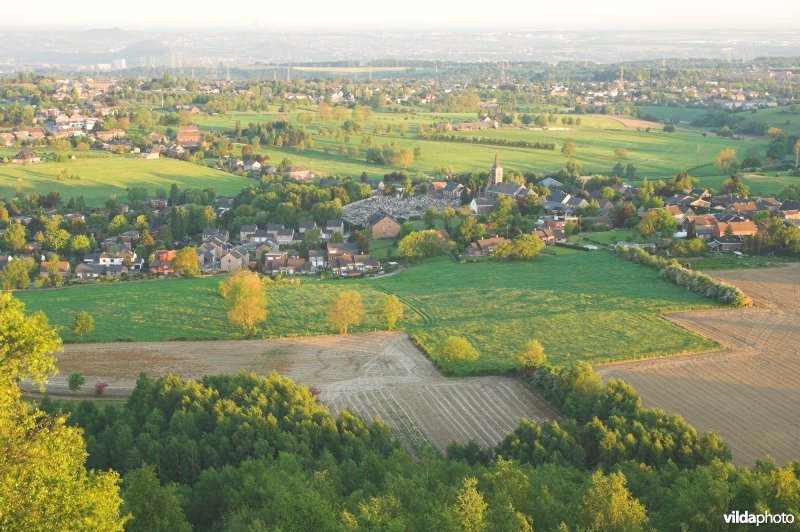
column 378, row 216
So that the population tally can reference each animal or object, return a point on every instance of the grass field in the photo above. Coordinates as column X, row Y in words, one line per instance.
column 786, row 118
column 655, row 154
column 607, row 308
column 102, row 176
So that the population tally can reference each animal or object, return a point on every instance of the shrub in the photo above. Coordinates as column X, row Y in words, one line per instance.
column 697, row 282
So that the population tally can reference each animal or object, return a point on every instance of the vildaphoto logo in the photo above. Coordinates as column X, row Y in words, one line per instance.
column 764, row 518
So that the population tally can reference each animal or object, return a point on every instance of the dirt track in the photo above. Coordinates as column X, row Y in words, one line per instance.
column 379, row 375
column 750, row 392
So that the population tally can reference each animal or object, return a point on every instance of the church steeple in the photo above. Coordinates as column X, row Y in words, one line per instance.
column 496, row 174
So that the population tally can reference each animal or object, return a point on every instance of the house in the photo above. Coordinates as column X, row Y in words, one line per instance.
column 349, row 264
column 234, row 259
column 188, row 136
column 26, row 157
column 557, row 201
column 95, row 271
column 209, row 232
column 127, row 258
column 318, row 258
column 485, row 246
column 452, row 190
column 377, row 186
column 4, row 260
column 305, row 225
column 382, row 225
column 678, row 212
column 333, row 226
column 63, row 268
column 745, row 228
column 792, row 217
column 286, row 237
column 6, row 139
column 789, row 205
column 435, row 188
column 162, row 261
column 512, row 190
column 481, row 206
column 768, row 204
column 725, row 244
column 746, row 209
column 251, row 165
column 548, row 236
column 551, row 183
column 335, row 249
column 288, row 266
column 247, row 231
column 558, row 224
column 300, row 173
column 703, row 224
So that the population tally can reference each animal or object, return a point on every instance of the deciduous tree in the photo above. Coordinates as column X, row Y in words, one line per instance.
column 247, row 301
column 392, row 310
column 43, row 481
column 83, row 323
column 456, row 349
column 345, row 310
column 186, row 262
column 532, row 356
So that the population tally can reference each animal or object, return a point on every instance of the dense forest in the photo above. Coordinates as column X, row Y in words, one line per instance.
column 244, row 452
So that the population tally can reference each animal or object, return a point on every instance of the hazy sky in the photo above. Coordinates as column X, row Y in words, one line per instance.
column 330, row 15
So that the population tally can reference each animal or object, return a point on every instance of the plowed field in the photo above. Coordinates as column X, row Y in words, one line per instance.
column 750, row 392
column 381, row 375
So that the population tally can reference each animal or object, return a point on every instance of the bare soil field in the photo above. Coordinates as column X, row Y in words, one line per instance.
column 632, row 123
column 375, row 375
column 750, row 392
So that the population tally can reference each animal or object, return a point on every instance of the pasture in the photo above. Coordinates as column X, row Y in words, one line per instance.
column 607, row 308
column 655, row 154
column 750, row 388
column 101, row 176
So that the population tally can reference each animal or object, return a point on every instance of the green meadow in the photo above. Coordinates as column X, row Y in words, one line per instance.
column 588, row 306
column 654, row 153
column 101, row 176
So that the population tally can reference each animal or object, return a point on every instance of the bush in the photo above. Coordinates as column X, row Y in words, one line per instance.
column 696, row 282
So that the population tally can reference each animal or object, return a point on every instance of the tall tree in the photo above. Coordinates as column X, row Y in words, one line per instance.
column 608, row 505
column 345, row 310
column 14, row 237
column 726, row 160
column 247, row 301
column 43, row 481
column 153, row 508
column 470, row 510
column 392, row 310
column 186, row 262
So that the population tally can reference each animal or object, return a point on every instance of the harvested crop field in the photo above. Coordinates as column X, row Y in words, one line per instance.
column 380, row 375
column 750, row 392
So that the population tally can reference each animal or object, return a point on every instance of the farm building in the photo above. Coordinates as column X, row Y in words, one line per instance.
column 26, row 157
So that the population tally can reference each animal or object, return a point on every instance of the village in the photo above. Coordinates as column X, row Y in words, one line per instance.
column 721, row 223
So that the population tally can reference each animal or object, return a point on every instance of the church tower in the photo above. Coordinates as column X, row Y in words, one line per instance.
column 496, row 173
